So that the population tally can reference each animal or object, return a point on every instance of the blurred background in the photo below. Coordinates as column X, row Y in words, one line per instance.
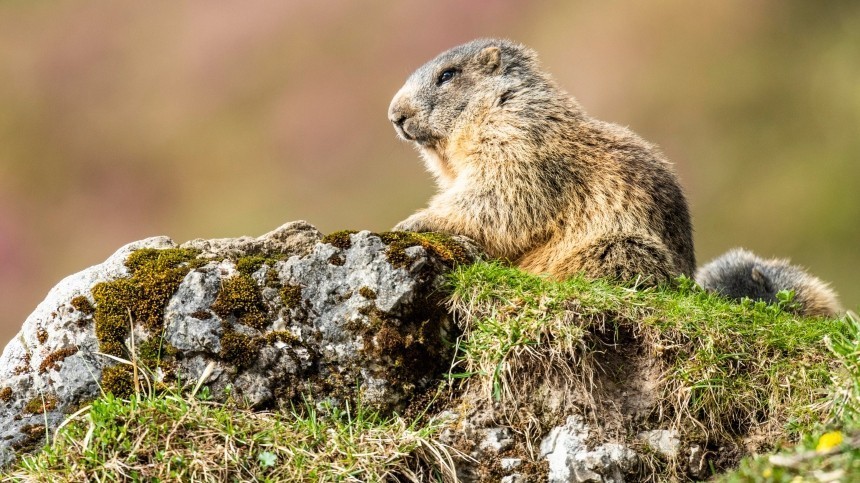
column 123, row 120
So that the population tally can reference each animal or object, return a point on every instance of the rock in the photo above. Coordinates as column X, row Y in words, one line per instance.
column 664, row 441
column 269, row 319
column 294, row 238
column 566, row 450
column 697, row 463
column 509, row 464
column 515, row 478
column 39, row 384
column 495, row 440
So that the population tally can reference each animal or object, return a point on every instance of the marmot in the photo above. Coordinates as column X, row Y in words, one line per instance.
column 741, row 274
column 525, row 172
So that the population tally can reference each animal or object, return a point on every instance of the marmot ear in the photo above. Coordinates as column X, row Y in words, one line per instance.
column 490, row 59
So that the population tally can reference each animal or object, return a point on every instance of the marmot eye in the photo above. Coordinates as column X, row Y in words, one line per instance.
column 445, row 76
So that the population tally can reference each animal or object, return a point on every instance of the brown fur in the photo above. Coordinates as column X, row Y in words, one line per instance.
column 526, row 173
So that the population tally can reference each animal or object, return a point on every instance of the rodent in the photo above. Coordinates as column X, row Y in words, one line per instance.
column 739, row 274
column 526, row 173
column 523, row 171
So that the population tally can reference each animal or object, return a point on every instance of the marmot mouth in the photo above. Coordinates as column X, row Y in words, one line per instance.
column 402, row 133
column 422, row 138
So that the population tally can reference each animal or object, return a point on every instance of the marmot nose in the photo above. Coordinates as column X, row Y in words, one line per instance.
column 399, row 111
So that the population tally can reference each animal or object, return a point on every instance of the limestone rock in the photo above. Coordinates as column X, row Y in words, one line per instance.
column 567, row 450
column 664, row 441
column 515, row 478
column 294, row 238
column 52, row 365
column 495, row 440
column 268, row 319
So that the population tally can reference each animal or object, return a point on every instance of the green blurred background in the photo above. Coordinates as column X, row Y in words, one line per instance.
column 122, row 120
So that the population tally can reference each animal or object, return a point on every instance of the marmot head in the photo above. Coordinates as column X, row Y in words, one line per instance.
column 464, row 81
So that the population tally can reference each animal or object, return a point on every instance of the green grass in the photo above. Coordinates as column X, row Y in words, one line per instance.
column 726, row 371
column 832, row 452
column 170, row 437
column 729, row 367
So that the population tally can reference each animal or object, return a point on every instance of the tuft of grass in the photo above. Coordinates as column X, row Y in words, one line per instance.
column 832, row 451
column 729, row 367
column 830, row 457
column 176, row 437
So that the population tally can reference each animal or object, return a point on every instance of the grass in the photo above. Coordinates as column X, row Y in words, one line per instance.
column 730, row 368
column 176, row 437
column 722, row 371
column 832, row 452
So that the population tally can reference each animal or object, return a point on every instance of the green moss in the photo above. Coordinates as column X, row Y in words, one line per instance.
column 240, row 296
column 155, row 276
column 240, row 349
column 53, row 360
column 291, row 295
column 438, row 244
column 83, row 305
column 339, row 239
column 390, row 341
column 272, row 279
column 249, row 265
column 202, row 314
column 367, row 293
column 118, row 380
column 146, row 259
column 38, row 406
column 153, row 351
column 33, row 434
column 113, row 348
column 6, row 394
column 284, row 336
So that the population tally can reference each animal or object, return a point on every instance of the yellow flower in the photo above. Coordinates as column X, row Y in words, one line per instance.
column 767, row 473
column 828, row 441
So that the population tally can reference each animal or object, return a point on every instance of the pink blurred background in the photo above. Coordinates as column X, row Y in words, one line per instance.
column 121, row 120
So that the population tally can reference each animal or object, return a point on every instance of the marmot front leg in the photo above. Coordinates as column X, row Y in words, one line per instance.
column 419, row 222
column 441, row 215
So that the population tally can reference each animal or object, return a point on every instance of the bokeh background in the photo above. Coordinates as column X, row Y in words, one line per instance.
column 122, row 120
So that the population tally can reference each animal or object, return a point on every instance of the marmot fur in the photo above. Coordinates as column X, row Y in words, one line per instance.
column 741, row 274
column 526, row 173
